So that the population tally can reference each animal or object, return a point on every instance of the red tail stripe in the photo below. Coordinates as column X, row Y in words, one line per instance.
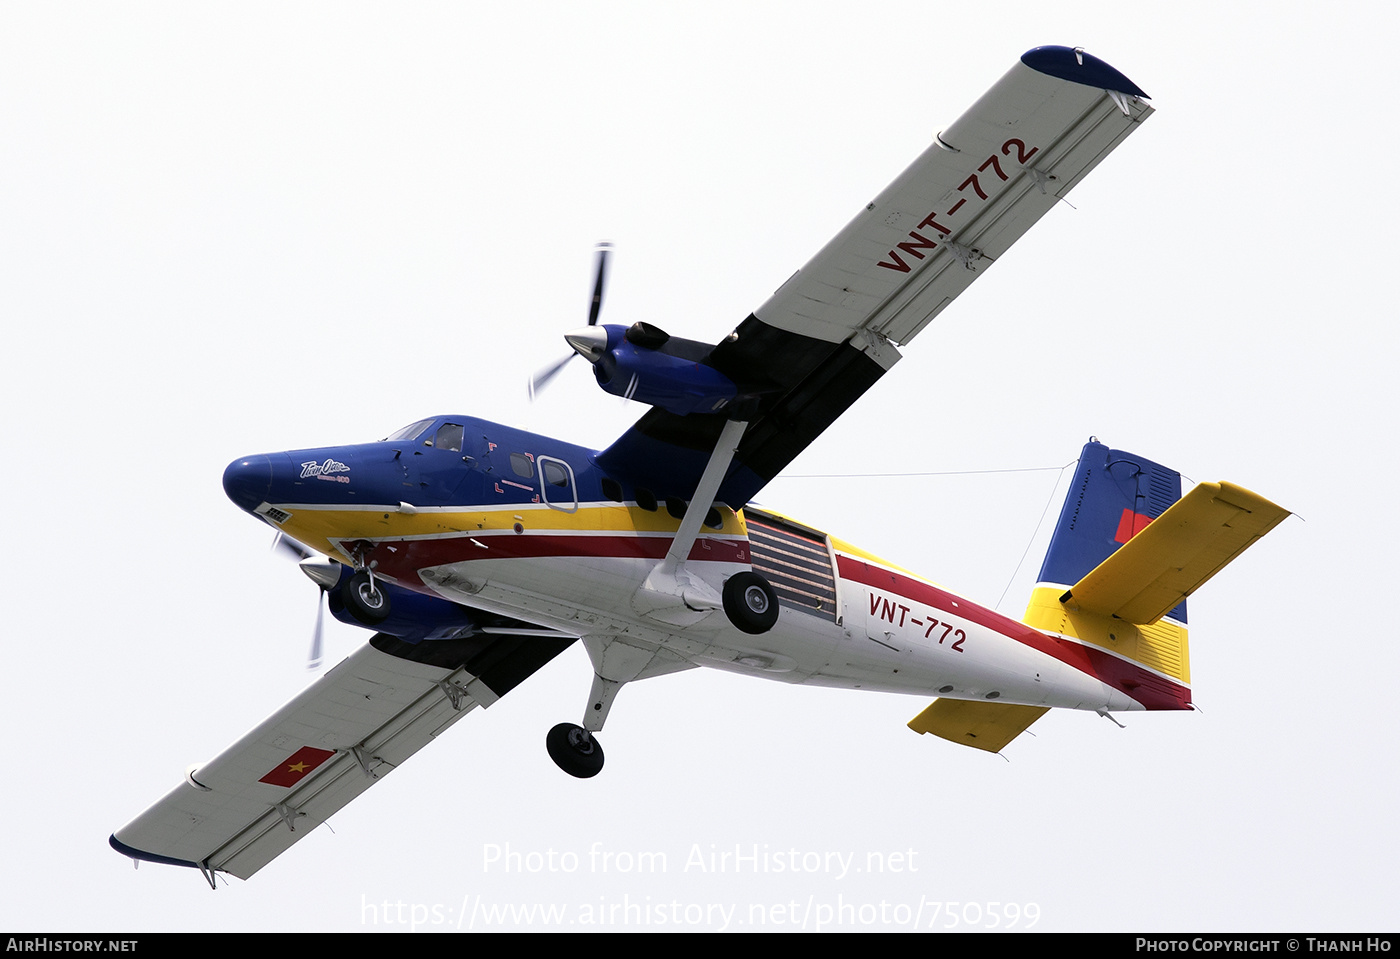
column 1129, row 525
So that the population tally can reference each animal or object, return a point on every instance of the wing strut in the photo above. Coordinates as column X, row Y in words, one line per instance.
column 670, row 594
column 704, row 497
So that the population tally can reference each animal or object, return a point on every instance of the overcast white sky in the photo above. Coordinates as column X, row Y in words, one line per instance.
column 246, row 227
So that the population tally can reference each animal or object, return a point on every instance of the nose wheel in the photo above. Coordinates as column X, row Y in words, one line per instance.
column 575, row 750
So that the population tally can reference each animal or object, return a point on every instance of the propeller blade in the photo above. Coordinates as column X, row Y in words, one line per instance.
column 290, row 548
column 314, row 660
column 587, row 341
column 541, row 379
column 601, row 270
column 322, row 571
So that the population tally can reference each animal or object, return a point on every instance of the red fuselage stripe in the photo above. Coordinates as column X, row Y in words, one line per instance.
column 409, row 556
column 1153, row 691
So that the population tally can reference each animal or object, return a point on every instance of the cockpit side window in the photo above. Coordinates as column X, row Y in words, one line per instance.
column 449, row 437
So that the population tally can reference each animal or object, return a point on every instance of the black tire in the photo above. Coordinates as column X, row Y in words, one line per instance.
column 750, row 603
column 575, row 750
column 367, row 602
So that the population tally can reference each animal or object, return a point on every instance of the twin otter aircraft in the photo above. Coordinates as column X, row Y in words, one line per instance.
column 478, row 552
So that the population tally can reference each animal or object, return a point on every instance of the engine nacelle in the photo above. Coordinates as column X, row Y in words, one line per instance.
column 642, row 363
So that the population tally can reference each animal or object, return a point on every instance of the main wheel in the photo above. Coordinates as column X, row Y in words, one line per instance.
column 575, row 750
column 365, row 599
column 750, row 603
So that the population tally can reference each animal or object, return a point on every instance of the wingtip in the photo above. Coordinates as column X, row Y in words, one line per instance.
column 132, row 852
column 1076, row 66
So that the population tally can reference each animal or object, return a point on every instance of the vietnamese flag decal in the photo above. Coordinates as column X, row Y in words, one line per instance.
column 297, row 766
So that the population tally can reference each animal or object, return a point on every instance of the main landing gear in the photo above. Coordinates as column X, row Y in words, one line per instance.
column 750, row 603
column 365, row 599
column 671, row 594
column 575, row 750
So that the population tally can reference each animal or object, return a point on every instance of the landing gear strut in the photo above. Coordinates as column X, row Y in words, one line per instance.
column 574, row 750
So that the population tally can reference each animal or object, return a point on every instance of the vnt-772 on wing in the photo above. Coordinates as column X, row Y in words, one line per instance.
column 478, row 552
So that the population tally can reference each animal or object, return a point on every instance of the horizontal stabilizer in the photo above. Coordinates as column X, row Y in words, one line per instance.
column 981, row 725
column 1174, row 554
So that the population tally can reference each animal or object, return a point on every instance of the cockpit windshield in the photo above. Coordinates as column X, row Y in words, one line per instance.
column 409, row 432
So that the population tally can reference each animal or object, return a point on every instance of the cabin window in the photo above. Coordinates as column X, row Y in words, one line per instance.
column 555, row 473
column 557, row 484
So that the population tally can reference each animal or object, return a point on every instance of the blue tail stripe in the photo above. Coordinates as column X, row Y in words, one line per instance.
column 1106, row 483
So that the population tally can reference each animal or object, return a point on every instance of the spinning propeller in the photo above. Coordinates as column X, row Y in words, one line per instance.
column 324, row 572
column 643, row 362
column 588, row 341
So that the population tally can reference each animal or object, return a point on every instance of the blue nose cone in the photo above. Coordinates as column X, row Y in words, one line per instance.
column 247, row 481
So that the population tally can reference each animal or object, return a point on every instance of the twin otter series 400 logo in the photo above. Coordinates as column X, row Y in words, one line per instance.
column 323, row 470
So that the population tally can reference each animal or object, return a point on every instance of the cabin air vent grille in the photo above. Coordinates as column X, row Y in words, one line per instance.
column 277, row 516
column 796, row 561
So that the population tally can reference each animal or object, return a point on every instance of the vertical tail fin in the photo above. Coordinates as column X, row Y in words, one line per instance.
column 1127, row 552
column 1113, row 497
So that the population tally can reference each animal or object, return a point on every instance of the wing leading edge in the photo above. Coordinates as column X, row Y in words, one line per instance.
column 833, row 329
column 346, row 731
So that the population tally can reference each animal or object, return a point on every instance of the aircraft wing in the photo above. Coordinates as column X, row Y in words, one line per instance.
column 833, row 328
column 340, row 736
